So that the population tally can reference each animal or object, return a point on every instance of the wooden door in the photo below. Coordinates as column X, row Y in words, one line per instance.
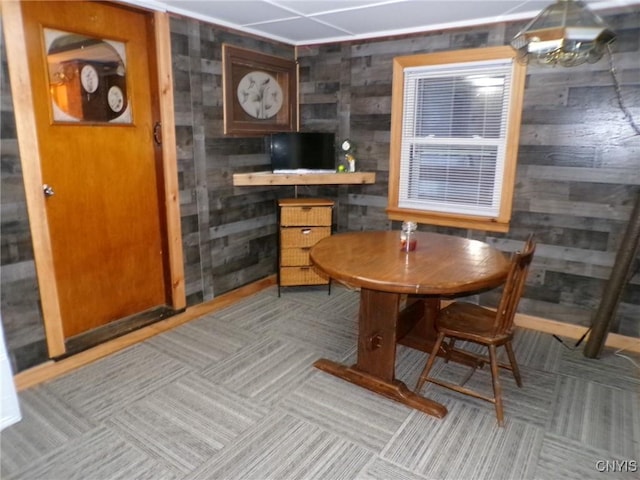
column 105, row 207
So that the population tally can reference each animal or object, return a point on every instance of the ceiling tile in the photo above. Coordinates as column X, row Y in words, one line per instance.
column 313, row 7
column 408, row 15
column 245, row 12
column 301, row 22
column 303, row 30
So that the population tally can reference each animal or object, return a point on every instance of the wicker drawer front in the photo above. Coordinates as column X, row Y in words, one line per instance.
column 302, row 236
column 290, row 276
column 291, row 216
column 295, row 257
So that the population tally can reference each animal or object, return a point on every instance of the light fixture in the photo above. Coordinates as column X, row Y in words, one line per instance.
column 565, row 33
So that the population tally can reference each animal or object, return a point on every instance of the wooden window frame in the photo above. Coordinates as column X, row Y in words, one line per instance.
column 500, row 223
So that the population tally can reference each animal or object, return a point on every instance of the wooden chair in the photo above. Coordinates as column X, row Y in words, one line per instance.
column 473, row 323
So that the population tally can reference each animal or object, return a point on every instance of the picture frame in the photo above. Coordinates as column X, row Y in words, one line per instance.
column 260, row 93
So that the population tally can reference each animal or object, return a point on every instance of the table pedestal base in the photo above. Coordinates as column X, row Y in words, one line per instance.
column 395, row 390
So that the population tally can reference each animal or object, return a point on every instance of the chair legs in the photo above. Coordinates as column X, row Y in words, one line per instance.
column 497, row 388
column 514, row 365
column 430, row 362
column 450, row 348
column 495, row 376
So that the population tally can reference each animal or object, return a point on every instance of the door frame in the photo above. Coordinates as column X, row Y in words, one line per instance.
column 21, row 90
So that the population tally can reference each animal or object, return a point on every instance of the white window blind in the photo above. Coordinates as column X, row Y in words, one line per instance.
column 454, row 137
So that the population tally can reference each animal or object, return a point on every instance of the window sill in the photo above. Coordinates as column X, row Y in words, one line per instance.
column 448, row 220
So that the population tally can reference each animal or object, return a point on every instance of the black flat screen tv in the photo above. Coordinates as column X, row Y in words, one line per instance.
column 302, row 151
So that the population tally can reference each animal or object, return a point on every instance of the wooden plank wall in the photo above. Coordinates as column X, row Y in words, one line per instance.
column 579, row 167
column 229, row 232
column 19, row 293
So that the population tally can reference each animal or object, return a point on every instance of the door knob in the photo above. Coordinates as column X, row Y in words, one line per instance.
column 48, row 190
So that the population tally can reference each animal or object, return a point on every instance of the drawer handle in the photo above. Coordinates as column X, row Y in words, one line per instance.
column 306, row 208
column 305, row 231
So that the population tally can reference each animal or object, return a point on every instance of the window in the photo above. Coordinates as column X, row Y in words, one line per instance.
column 455, row 126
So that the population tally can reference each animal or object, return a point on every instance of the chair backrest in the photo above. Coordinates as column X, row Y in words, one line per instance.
column 513, row 287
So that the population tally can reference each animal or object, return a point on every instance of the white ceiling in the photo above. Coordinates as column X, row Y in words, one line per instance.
column 304, row 22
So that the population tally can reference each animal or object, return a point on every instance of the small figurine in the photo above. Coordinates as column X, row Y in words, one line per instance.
column 351, row 161
column 348, row 148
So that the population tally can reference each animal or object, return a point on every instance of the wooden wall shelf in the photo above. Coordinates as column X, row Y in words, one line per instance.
column 269, row 178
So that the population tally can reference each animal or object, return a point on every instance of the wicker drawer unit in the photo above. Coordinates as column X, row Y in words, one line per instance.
column 303, row 222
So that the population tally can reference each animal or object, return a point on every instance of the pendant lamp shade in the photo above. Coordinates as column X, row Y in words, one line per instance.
column 565, row 33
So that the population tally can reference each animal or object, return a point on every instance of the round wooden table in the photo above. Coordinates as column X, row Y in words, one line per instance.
column 400, row 295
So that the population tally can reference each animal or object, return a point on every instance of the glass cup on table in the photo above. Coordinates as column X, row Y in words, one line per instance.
column 408, row 239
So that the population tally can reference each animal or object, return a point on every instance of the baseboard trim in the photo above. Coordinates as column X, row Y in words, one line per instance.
column 614, row 340
column 50, row 370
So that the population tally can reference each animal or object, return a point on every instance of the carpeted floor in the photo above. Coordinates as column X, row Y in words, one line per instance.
column 234, row 395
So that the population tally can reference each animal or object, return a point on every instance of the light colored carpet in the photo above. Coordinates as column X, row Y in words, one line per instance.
column 234, row 395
